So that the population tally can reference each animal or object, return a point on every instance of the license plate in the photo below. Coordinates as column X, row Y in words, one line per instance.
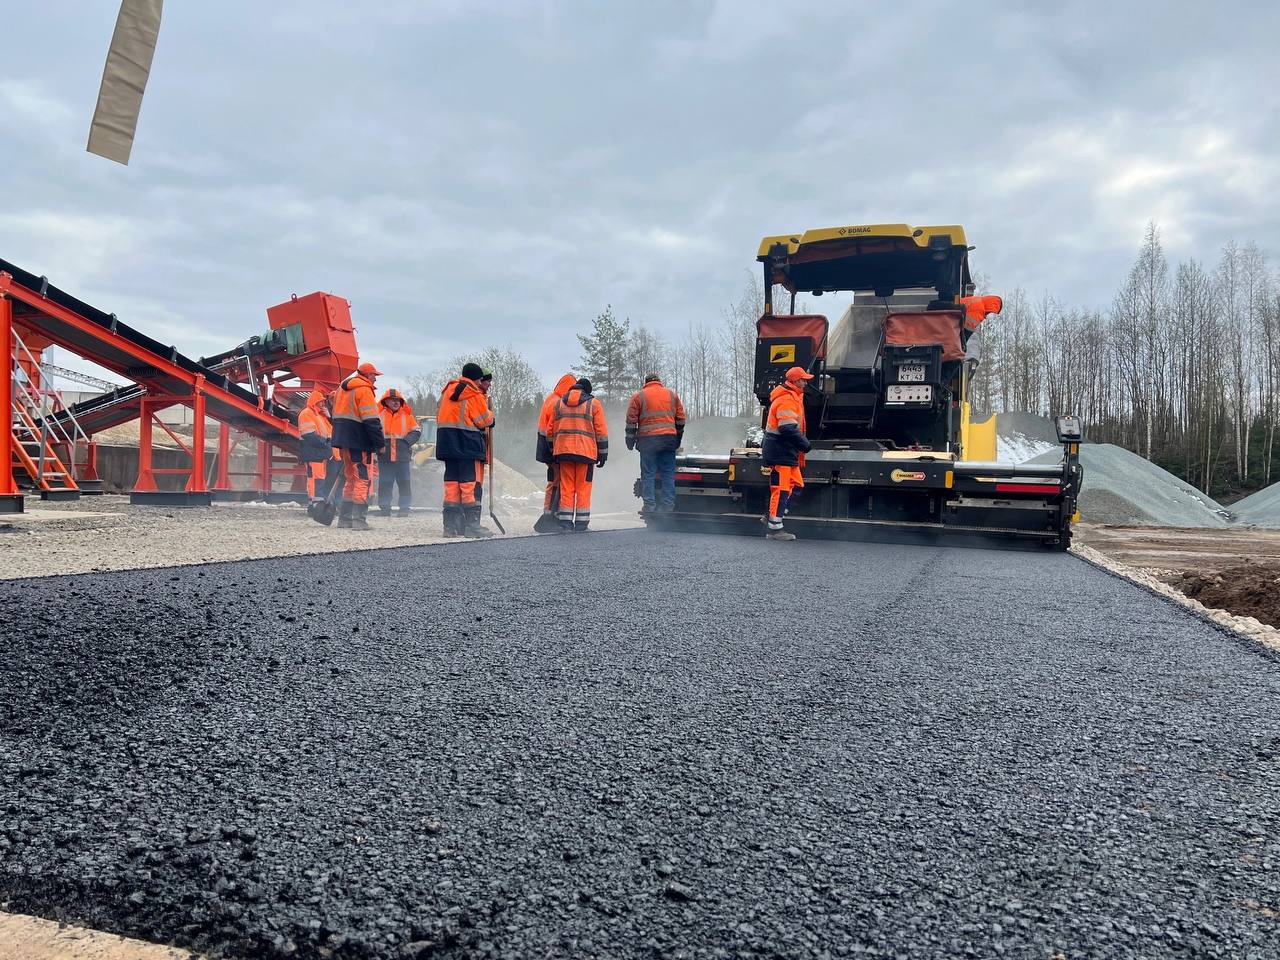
column 911, row 373
column 909, row 394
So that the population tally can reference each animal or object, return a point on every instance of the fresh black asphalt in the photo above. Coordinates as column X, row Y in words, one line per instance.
column 639, row 745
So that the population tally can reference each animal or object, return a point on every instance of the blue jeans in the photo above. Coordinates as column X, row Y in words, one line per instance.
column 652, row 464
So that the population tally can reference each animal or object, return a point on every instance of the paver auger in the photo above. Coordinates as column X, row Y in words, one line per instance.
column 888, row 408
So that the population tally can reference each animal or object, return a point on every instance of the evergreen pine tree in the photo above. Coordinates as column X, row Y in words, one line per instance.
column 604, row 354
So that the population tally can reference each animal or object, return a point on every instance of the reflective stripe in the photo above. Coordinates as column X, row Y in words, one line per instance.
column 576, row 433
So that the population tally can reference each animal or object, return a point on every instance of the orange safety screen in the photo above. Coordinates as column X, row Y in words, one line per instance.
column 813, row 326
column 919, row 329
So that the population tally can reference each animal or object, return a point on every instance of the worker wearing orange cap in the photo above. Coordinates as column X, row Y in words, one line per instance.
column 400, row 430
column 462, row 418
column 785, row 444
column 315, row 432
column 357, row 435
column 551, row 499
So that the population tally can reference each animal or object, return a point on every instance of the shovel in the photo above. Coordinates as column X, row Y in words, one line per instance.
column 493, row 481
column 325, row 511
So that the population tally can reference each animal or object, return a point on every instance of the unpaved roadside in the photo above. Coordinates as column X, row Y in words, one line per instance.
column 31, row 938
column 1236, row 570
column 107, row 533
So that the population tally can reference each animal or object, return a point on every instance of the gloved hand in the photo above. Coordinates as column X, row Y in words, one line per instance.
column 603, row 458
column 805, row 445
column 631, row 443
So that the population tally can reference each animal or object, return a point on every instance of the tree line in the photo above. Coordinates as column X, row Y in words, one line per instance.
column 1183, row 368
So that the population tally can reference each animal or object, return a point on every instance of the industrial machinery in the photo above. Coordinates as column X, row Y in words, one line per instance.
column 255, row 389
column 888, row 408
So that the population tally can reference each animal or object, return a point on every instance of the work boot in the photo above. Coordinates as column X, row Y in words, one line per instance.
column 344, row 515
column 359, row 513
column 403, row 512
column 665, row 507
column 580, row 526
column 779, row 535
column 385, row 511
column 648, row 509
column 452, row 521
column 472, row 520
column 566, row 526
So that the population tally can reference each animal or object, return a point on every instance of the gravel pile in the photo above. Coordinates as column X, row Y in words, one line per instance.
column 1261, row 509
column 1121, row 487
column 425, row 752
column 1022, row 436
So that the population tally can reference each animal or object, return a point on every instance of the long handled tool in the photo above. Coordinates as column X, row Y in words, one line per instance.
column 493, row 480
column 325, row 510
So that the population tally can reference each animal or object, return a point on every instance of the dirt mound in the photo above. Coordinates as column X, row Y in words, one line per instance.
column 1261, row 509
column 1123, row 488
column 1247, row 590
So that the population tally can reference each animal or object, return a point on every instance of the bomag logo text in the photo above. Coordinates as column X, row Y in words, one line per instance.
column 846, row 231
column 900, row 475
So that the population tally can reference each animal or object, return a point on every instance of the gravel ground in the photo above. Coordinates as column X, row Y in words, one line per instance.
column 106, row 533
column 896, row 752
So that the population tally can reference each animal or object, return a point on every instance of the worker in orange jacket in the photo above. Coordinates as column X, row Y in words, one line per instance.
column 785, row 444
column 357, row 434
column 551, row 498
column 977, row 309
column 315, row 431
column 395, row 461
column 655, row 426
column 579, row 438
column 462, row 418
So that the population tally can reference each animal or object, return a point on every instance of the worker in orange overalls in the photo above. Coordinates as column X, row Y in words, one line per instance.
column 655, row 425
column 462, row 418
column 316, row 448
column 977, row 309
column 357, row 435
column 785, row 445
column 395, row 462
column 551, row 499
column 579, row 438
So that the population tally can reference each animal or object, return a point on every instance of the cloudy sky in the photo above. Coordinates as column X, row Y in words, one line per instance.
column 470, row 173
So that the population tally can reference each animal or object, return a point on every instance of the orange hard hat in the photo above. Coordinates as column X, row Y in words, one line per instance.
column 799, row 373
column 369, row 370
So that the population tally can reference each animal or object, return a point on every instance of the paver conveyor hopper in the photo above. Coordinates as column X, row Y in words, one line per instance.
column 887, row 410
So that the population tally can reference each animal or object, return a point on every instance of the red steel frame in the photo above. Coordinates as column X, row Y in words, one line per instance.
column 11, row 499
column 152, row 370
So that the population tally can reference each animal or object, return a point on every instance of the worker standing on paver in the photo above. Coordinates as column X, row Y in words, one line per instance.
column 655, row 427
column 785, row 444
column 551, row 499
column 579, row 439
column 395, row 461
column 357, row 435
column 315, row 449
column 462, row 418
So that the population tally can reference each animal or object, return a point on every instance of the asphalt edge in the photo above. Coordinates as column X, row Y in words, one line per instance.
column 1264, row 643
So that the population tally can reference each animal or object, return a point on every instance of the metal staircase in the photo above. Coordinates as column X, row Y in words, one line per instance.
column 42, row 452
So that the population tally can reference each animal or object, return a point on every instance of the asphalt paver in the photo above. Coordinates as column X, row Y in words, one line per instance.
column 639, row 745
